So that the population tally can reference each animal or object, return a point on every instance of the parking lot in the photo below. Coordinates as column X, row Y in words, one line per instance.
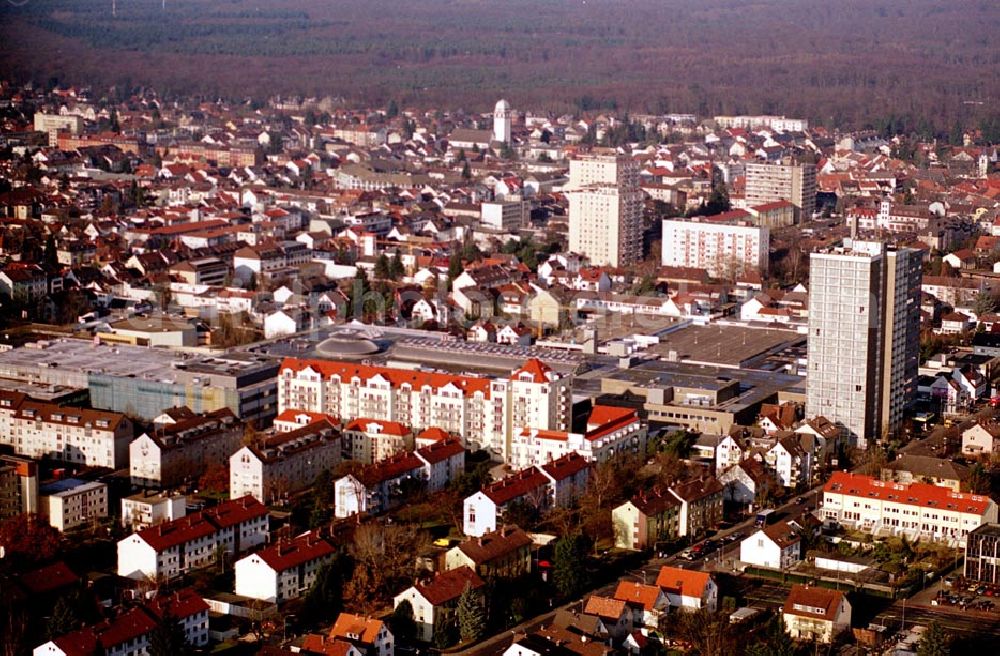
column 967, row 595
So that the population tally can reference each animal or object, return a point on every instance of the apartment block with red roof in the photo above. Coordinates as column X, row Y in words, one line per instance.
column 374, row 440
column 914, row 510
column 284, row 570
column 610, row 431
column 487, row 411
column 169, row 549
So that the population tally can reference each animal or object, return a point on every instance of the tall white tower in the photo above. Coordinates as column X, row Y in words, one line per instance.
column 501, row 121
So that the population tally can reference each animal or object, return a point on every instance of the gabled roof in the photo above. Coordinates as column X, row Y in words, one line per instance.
column 913, row 494
column 364, row 630
column 494, row 544
column 683, row 582
column 637, row 594
column 449, row 585
column 604, row 607
column 515, row 486
column 813, row 602
column 286, row 554
column 538, row 371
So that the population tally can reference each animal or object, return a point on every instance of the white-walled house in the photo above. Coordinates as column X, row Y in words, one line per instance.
column 649, row 603
column 812, row 613
column 283, row 570
column 482, row 512
column 169, row 549
column 688, row 589
column 439, row 594
column 777, row 546
column 371, row 636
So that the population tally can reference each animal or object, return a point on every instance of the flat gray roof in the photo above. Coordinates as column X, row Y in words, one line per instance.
column 724, row 345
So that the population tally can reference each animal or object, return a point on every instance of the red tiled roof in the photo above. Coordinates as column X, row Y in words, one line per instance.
column 494, row 544
column 539, row 371
column 179, row 605
column 449, row 585
column 684, row 582
column 133, row 624
column 441, row 450
column 604, row 607
column 386, row 427
column 568, row 465
column 363, row 629
column 286, row 554
column 49, row 578
column 198, row 525
column 396, row 377
column 512, row 487
column 637, row 594
column 913, row 494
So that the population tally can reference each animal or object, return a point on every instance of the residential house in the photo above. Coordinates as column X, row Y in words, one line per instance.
column 483, row 511
column 181, row 450
column 504, row 553
column 777, row 546
column 438, row 596
column 647, row 519
column 615, row 614
column 816, row 614
column 283, row 570
column 282, row 463
column 649, row 603
column 982, row 438
column 701, row 505
column 169, row 549
column 372, row 440
column 610, row 431
column 369, row 635
column 687, row 589
column 747, row 483
column 790, row 463
column 910, row 468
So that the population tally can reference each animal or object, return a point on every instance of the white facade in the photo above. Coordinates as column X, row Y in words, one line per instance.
column 605, row 210
column 864, row 317
column 75, row 503
column 143, row 510
column 763, row 550
column 915, row 510
column 284, row 463
column 172, row 548
column 283, row 571
column 724, row 249
column 76, row 435
column 768, row 182
column 484, row 410
column 501, row 121
column 610, row 432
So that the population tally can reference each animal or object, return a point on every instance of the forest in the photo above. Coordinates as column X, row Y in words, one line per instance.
column 850, row 63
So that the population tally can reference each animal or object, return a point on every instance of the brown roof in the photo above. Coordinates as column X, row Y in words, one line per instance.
column 604, row 607
column 804, row 601
column 449, row 585
column 781, row 534
column 495, row 544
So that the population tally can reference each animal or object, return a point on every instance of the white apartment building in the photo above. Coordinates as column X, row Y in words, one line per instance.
column 371, row 440
column 172, row 548
column 72, row 503
column 610, row 431
column 487, row 411
column 149, row 508
column 281, row 463
column 725, row 248
column 178, row 452
column 864, row 322
column 76, row 435
column 768, row 182
column 284, row 570
column 915, row 510
column 778, row 123
column 506, row 216
column 55, row 123
column 384, row 485
column 605, row 209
